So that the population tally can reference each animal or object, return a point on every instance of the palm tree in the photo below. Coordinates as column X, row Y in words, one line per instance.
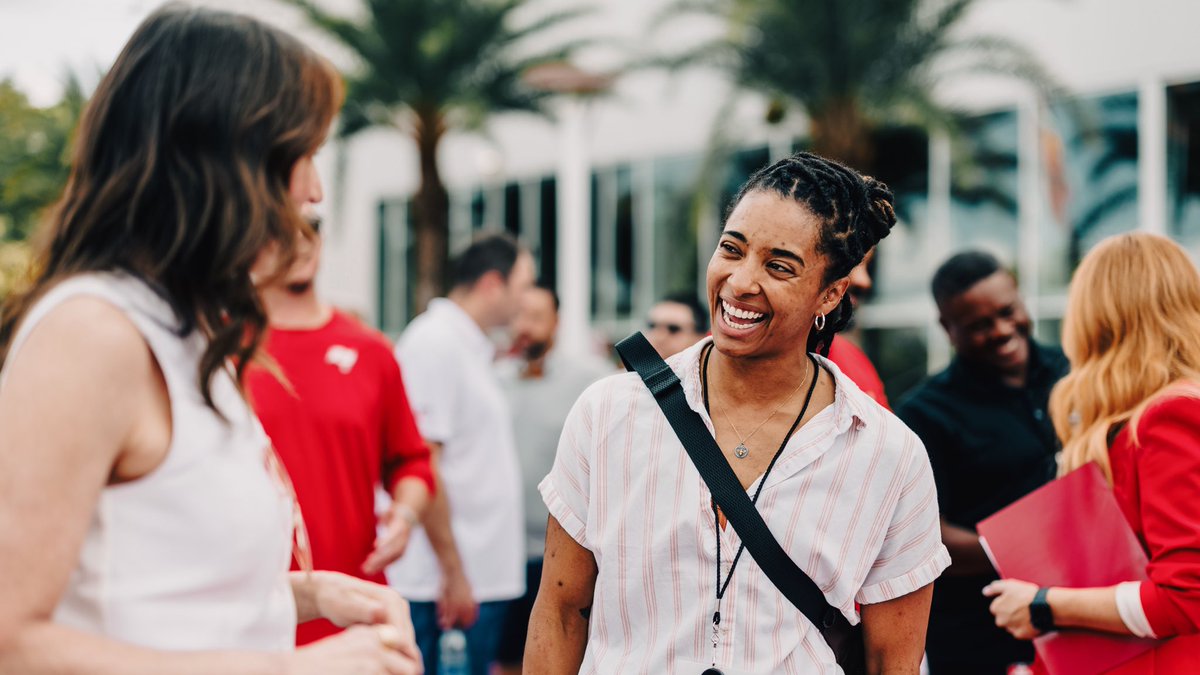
column 427, row 67
column 854, row 66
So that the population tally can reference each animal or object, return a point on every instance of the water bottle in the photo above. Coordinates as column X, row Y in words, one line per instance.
column 452, row 654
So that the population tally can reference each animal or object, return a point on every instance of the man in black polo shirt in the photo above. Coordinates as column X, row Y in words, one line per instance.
column 985, row 423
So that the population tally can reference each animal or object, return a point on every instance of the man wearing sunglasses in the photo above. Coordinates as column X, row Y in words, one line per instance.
column 677, row 322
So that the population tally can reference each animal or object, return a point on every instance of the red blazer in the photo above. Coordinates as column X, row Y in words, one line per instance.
column 1157, row 484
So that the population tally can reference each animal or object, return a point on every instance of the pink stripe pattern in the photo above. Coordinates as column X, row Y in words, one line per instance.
column 851, row 499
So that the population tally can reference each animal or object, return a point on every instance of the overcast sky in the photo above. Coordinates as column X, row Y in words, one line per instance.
column 41, row 39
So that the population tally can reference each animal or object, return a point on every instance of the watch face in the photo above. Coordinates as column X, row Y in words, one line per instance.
column 1040, row 614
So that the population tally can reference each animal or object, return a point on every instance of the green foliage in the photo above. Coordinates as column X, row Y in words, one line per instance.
column 14, row 265
column 851, row 65
column 426, row 67
column 35, row 147
column 34, row 155
column 456, row 61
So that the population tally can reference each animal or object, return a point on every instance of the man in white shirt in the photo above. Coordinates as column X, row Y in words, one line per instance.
column 469, row 558
column 542, row 384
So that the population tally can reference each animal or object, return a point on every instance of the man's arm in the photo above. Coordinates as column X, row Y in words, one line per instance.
column 407, row 470
column 966, row 553
column 410, row 501
column 558, row 625
column 894, row 633
column 456, row 602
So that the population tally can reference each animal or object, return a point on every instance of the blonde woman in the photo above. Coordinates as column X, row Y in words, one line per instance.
column 1132, row 405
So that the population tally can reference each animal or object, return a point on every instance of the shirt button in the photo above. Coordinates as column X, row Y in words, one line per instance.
column 1038, row 415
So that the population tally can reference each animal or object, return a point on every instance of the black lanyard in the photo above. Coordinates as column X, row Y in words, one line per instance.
column 721, row 588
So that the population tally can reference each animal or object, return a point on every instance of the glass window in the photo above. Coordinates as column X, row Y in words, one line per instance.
column 1183, row 164
column 741, row 164
column 512, row 209
column 598, row 213
column 902, row 162
column 624, row 244
column 1048, row 331
column 461, row 227
column 676, row 264
column 983, row 187
column 478, row 210
column 397, row 265
column 548, row 260
column 1089, row 160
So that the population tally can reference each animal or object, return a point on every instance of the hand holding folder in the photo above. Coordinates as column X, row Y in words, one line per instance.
column 1070, row 533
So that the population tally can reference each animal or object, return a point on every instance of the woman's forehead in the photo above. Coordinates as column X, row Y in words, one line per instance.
column 771, row 220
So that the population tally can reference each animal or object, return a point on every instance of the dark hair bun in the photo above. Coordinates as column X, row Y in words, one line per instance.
column 879, row 214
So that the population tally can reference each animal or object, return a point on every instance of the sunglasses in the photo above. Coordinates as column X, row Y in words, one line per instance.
column 671, row 328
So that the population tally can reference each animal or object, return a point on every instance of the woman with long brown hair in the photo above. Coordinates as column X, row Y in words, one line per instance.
column 144, row 527
column 1131, row 404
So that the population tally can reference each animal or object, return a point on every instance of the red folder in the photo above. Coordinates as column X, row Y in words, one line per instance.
column 1070, row 532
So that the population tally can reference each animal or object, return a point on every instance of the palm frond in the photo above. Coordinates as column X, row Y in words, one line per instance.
column 1101, row 210
column 550, row 21
column 717, row 53
column 999, row 55
column 721, row 9
column 349, row 33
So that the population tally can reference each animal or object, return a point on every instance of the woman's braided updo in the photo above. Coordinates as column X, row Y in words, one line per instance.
column 856, row 211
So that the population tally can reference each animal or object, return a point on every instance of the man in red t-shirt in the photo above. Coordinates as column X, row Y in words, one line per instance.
column 852, row 361
column 341, row 423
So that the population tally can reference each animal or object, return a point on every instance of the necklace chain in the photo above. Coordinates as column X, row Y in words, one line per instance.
column 742, row 451
column 722, row 587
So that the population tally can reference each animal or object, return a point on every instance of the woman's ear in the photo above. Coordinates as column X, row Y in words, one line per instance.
column 833, row 295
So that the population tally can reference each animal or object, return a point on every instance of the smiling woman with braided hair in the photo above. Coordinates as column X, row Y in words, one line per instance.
column 643, row 574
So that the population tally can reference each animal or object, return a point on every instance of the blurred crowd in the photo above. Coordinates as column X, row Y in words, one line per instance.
column 183, row 418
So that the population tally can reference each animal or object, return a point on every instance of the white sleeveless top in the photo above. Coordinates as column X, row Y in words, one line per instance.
column 193, row 555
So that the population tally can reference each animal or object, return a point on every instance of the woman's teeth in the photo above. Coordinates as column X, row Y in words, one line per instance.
column 740, row 318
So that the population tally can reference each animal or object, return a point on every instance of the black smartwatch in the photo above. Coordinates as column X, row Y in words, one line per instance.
column 1040, row 614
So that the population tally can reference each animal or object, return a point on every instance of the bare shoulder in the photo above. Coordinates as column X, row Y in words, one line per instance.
column 85, row 340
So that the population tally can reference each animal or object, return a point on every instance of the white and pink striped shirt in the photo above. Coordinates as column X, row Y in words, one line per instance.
column 851, row 499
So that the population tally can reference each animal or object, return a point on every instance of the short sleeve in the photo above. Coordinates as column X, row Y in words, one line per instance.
column 566, row 488
column 429, row 380
column 405, row 454
column 912, row 555
column 1168, row 458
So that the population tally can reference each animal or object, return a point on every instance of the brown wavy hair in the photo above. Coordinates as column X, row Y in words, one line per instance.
column 1130, row 332
column 180, row 174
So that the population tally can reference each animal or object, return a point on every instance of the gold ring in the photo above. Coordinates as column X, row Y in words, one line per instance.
column 389, row 635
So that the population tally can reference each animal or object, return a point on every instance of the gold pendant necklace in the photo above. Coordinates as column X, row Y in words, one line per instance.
column 741, row 451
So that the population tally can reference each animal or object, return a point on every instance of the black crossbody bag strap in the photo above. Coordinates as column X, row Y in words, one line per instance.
column 638, row 355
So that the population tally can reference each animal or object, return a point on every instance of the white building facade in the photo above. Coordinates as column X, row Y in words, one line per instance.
column 1047, row 180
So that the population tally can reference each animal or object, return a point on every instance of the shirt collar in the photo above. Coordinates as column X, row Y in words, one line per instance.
column 464, row 326
column 850, row 405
